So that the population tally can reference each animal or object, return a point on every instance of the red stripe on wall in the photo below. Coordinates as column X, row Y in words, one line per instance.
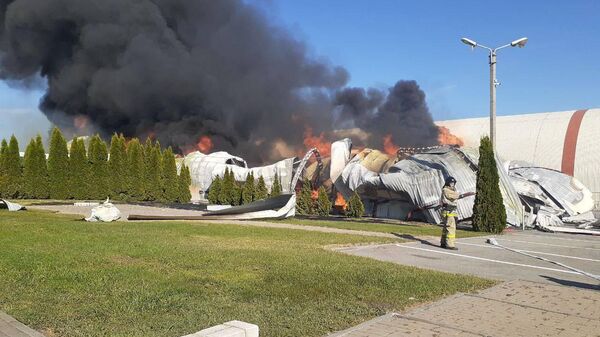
column 570, row 146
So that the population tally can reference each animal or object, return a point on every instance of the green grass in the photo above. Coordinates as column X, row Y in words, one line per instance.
column 72, row 278
column 402, row 229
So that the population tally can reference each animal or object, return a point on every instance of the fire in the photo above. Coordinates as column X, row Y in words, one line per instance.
column 314, row 195
column 389, row 147
column 204, row 144
column 340, row 201
column 445, row 137
column 319, row 142
column 80, row 122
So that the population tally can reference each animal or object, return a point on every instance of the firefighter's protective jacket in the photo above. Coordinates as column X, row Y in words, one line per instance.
column 449, row 198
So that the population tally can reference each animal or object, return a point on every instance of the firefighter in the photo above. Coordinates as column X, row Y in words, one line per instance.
column 449, row 199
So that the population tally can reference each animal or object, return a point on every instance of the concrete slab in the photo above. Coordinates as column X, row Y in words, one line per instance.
column 475, row 257
column 10, row 327
column 515, row 308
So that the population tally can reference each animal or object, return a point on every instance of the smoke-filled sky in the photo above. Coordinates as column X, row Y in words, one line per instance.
column 181, row 69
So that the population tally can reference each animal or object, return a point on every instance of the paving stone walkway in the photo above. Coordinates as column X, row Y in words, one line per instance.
column 517, row 308
column 10, row 327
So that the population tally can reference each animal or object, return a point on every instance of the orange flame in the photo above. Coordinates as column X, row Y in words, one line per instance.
column 319, row 142
column 314, row 195
column 445, row 137
column 388, row 146
column 204, row 144
column 340, row 201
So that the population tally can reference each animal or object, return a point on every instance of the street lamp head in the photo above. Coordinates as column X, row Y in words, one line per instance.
column 519, row 43
column 468, row 42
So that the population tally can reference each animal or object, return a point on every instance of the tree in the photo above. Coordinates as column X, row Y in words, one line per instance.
column 305, row 203
column 261, row 189
column 58, row 166
column 78, row 170
column 236, row 194
column 99, row 177
column 276, row 188
column 215, row 190
column 248, row 189
column 135, row 170
column 13, row 173
column 226, row 188
column 35, row 171
column 184, row 181
column 117, row 164
column 489, row 214
column 152, row 171
column 323, row 202
column 356, row 208
column 170, row 187
column 3, row 176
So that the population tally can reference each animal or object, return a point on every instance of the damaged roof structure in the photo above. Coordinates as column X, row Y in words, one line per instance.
column 407, row 186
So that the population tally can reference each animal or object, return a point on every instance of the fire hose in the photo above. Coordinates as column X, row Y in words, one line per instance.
column 493, row 242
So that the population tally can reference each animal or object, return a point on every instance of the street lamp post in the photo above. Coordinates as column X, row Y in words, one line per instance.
column 493, row 81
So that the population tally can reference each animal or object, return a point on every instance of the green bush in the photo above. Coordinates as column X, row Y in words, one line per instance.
column 489, row 214
column 248, row 191
column 117, row 163
column 12, row 183
column 135, row 170
column 276, row 188
column 99, row 175
column 215, row 190
column 170, row 186
column 304, row 202
column 184, row 180
column 79, row 170
column 261, row 189
column 355, row 208
column 323, row 202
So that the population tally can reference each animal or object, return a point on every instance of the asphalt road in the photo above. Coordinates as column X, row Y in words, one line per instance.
column 475, row 257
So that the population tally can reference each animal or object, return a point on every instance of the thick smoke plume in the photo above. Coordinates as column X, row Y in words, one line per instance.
column 181, row 70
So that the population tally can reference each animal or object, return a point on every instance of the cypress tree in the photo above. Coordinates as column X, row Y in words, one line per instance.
column 276, row 188
column 99, row 177
column 215, row 190
column 29, row 171
column 35, row 173
column 42, row 167
column 3, row 175
column 170, row 187
column 135, row 170
column 184, row 181
column 305, row 203
column 356, row 208
column 13, row 179
column 489, row 214
column 261, row 189
column 226, row 188
column 152, row 171
column 117, row 163
column 58, row 165
column 78, row 170
column 248, row 191
column 236, row 194
column 323, row 202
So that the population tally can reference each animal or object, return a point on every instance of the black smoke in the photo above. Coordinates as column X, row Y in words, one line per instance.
column 401, row 112
column 180, row 69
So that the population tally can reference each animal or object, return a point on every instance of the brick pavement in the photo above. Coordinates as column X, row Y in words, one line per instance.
column 514, row 308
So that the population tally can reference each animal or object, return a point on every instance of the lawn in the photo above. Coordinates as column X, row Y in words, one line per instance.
column 414, row 229
column 71, row 278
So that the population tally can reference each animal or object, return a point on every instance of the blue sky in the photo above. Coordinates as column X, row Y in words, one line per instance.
column 382, row 41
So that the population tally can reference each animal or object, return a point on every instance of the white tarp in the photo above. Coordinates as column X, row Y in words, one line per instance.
column 11, row 206
column 204, row 168
column 106, row 212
